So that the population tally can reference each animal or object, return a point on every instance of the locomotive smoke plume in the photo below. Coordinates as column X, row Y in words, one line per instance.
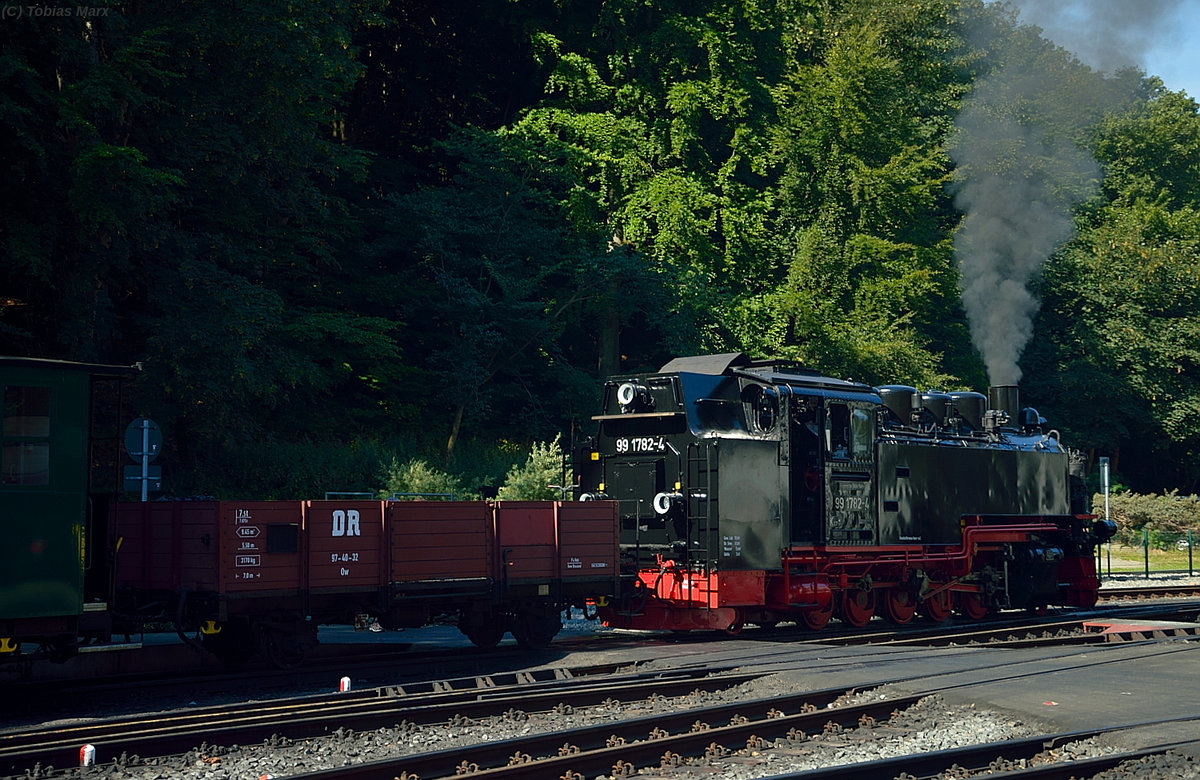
column 1020, row 170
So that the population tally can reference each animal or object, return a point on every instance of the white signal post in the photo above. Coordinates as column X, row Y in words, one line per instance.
column 1104, row 483
column 1104, row 489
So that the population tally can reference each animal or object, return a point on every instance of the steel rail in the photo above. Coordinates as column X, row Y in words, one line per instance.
column 980, row 757
column 620, row 747
column 312, row 716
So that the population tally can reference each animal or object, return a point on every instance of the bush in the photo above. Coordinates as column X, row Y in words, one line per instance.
column 530, row 481
column 1163, row 519
column 417, row 476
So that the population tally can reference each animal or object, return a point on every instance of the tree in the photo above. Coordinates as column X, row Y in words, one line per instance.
column 489, row 273
column 665, row 114
column 865, row 286
column 178, row 168
column 1116, row 354
column 1122, row 330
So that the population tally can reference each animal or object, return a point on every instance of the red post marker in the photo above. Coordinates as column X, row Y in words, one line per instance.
column 345, row 685
column 87, row 755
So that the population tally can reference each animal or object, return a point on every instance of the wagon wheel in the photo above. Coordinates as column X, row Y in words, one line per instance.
column 938, row 606
column 899, row 605
column 857, row 607
column 535, row 630
column 233, row 645
column 815, row 618
column 281, row 648
column 971, row 605
column 486, row 636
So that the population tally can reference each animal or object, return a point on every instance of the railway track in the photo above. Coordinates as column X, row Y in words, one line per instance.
column 474, row 700
column 688, row 730
column 787, row 725
column 310, row 716
column 377, row 663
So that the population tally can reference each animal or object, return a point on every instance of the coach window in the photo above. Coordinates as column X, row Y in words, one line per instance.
column 26, row 435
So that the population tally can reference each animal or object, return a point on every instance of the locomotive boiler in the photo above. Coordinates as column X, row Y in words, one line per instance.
column 762, row 491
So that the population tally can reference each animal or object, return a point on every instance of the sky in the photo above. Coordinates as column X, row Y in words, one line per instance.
column 1178, row 64
column 1159, row 36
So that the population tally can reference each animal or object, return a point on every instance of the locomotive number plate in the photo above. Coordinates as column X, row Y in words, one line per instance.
column 642, row 444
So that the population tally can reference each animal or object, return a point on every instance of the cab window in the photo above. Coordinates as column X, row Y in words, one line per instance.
column 861, row 433
column 837, row 432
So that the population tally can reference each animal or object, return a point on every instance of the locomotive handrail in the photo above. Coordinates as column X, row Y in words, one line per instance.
column 637, row 416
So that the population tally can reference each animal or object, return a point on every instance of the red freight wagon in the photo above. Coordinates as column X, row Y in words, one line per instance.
column 260, row 576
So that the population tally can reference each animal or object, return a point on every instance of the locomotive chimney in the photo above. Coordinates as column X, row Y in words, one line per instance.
column 1007, row 399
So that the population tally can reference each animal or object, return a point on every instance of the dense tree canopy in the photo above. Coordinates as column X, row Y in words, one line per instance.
column 345, row 236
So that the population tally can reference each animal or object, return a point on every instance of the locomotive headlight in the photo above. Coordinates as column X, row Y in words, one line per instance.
column 663, row 502
column 632, row 396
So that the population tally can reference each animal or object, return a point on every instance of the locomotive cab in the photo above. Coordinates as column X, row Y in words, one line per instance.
column 721, row 462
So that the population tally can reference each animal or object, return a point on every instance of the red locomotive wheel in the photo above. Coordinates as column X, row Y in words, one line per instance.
column 857, row 607
column 971, row 605
column 815, row 618
column 899, row 606
column 938, row 606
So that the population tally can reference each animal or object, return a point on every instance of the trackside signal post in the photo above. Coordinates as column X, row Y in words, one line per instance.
column 1104, row 490
column 143, row 442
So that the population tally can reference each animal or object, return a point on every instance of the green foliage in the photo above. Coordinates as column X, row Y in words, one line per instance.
column 1119, row 361
column 868, row 288
column 1162, row 518
column 418, row 477
column 534, row 480
column 322, row 226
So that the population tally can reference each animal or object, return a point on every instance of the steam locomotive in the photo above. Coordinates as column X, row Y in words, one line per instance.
column 762, row 491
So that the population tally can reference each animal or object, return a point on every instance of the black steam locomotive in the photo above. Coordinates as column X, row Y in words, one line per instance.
column 765, row 492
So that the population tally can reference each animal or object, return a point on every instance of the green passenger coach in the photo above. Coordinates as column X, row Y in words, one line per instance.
column 58, row 446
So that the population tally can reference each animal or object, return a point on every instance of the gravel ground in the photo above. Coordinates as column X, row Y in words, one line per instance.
column 929, row 725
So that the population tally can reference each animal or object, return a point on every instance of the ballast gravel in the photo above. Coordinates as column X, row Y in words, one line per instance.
column 929, row 725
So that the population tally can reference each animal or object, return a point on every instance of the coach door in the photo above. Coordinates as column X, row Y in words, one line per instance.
column 849, row 447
